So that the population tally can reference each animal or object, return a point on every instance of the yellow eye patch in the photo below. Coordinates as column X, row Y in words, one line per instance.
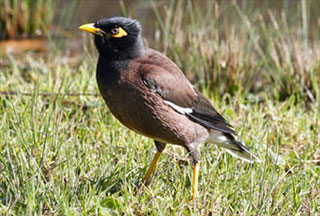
column 119, row 33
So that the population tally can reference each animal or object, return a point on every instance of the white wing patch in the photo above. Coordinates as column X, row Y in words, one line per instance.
column 177, row 108
column 218, row 138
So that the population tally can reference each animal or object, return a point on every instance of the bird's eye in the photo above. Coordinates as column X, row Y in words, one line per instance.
column 114, row 31
column 118, row 32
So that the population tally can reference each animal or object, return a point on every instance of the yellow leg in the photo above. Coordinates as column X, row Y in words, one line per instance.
column 146, row 179
column 195, row 181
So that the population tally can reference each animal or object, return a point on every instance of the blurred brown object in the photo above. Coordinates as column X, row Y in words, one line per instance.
column 20, row 46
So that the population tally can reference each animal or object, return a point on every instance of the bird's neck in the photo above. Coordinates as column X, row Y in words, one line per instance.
column 127, row 52
column 112, row 64
column 109, row 71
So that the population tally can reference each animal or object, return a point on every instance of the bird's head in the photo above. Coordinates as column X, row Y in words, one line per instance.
column 116, row 37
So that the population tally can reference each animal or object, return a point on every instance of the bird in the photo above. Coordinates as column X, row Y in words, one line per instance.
column 149, row 94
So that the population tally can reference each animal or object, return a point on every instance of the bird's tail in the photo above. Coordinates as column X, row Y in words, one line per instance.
column 242, row 152
column 232, row 146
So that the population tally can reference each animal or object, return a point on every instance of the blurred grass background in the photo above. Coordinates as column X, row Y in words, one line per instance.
column 28, row 18
column 61, row 151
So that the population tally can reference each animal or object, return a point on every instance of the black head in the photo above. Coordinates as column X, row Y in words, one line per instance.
column 116, row 37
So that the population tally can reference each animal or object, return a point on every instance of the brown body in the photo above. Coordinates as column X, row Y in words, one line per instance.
column 145, row 111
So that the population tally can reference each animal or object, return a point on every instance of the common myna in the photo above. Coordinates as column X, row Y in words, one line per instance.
column 150, row 95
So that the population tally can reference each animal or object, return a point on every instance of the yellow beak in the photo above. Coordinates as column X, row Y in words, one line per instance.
column 90, row 28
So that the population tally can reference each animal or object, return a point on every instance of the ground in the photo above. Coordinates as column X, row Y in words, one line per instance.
column 68, row 155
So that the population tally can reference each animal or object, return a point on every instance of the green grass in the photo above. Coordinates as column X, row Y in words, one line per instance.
column 242, row 47
column 67, row 155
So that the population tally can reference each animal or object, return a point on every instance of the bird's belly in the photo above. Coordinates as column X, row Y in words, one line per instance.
column 147, row 114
